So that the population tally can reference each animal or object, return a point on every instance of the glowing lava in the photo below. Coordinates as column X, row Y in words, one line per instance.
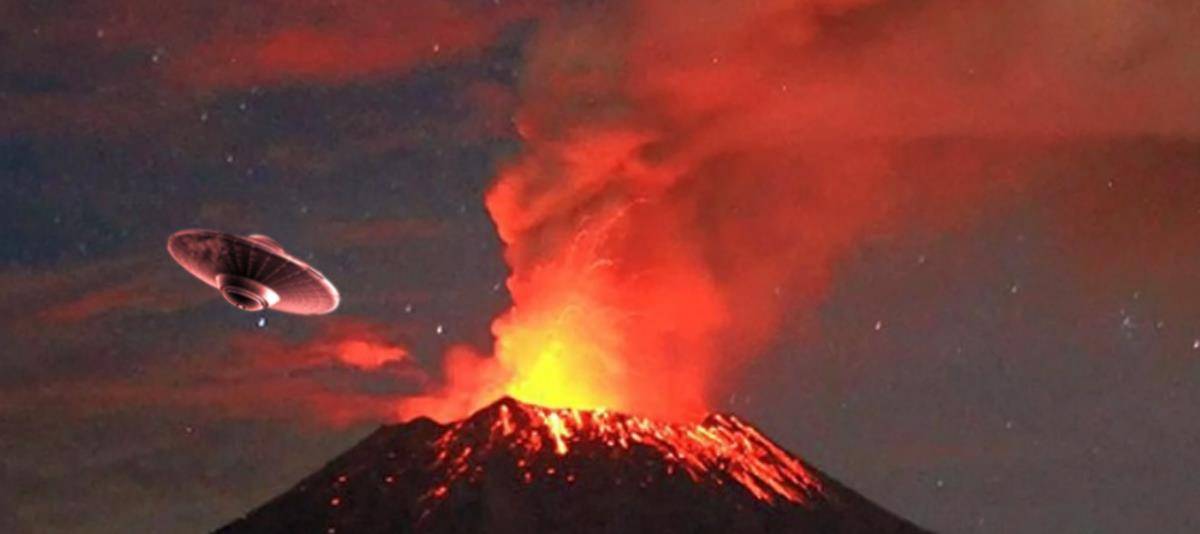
column 513, row 468
column 720, row 450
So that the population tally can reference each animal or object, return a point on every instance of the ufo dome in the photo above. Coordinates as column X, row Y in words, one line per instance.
column 254, row 272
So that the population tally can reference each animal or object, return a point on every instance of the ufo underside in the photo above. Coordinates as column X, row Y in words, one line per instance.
column 253, row 272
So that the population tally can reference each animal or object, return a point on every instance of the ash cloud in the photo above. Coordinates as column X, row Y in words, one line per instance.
column 690, row 173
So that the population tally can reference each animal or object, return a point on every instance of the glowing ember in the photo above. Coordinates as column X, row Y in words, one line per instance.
column 721, row 449
column 513, row 467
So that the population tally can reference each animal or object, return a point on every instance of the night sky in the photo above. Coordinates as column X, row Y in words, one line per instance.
column 995, row 328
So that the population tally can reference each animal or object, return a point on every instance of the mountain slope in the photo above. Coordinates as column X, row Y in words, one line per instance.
column 517, row 468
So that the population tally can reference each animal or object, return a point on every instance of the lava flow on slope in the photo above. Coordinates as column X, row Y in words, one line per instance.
column 515, row 467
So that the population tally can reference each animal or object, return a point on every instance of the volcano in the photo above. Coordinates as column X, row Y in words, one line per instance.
column 518, row 468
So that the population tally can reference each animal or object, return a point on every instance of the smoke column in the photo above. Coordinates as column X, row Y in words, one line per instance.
column 690, row 172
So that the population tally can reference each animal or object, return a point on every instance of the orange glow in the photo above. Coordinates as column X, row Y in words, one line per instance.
column 720, row 449
column 589, row 329
column 369, row 355
column 562, row 355
column 593, row 328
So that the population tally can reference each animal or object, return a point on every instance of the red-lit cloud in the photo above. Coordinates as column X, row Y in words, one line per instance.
column 32, row 300
column 326, row 43
column 123, row 55
column 368, row 355
column 351, row 371
column 95, row 303
column 691, row 172
column 348, row 373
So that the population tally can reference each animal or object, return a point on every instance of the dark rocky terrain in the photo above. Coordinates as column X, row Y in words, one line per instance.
column 518, row 468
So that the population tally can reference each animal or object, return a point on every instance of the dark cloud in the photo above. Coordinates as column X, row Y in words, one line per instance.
column 380, row 232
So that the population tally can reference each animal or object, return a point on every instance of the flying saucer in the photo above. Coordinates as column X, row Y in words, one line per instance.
column 253, row 272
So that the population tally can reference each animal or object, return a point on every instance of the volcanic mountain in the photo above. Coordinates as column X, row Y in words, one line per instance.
column 518, row 468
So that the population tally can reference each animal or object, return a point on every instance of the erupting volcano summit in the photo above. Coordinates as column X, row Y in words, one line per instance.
column 519, row 468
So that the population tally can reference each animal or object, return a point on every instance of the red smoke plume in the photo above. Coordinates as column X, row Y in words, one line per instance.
column 691, row 170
